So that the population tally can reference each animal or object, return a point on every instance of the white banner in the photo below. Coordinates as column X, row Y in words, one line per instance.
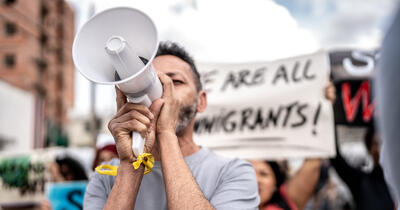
column 267, row 110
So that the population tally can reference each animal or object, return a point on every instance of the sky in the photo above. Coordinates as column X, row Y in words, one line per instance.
column 234, row 31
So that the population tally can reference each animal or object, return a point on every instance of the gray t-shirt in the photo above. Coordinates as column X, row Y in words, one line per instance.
column 227, row 183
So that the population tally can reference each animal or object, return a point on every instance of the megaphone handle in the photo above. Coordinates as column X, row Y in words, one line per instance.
column 137, row 139
column 137, row 143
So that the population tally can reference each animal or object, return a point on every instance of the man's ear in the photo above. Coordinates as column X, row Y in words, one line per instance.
column 201, row 101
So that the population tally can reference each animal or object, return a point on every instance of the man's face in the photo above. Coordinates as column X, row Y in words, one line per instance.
column 184, row 84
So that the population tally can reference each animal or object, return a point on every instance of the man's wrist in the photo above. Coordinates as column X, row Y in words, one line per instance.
column 128, row 166
column 166, row 137
column 128, row 160
column 167, row 140
column 166, row 134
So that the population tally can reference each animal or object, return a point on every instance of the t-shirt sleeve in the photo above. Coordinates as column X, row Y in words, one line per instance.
column 237, row 188
column 96, row 193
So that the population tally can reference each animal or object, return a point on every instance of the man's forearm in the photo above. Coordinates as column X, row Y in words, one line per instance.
column 124, row 192
column 181, row 188
column 302, row 185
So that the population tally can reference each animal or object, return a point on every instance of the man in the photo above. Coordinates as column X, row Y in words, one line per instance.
column 184, row 176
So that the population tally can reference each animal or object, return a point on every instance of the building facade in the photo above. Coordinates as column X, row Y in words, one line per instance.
column 36, row 39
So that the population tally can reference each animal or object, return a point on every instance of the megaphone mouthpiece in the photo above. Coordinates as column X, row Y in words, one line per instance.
column 123, row 57
column 115, row 44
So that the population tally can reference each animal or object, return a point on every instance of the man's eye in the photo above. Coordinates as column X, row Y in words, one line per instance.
column 177, row 82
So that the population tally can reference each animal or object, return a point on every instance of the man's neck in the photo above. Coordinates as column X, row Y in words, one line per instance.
column 187, row 145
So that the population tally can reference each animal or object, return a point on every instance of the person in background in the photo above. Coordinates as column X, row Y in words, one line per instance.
column 105, row 150
column 278, row 193
column 329, row 194
column 369, row 189
column 64, row 168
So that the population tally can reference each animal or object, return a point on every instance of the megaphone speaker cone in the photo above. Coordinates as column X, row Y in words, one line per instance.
column 117, row 47
column 89, row 54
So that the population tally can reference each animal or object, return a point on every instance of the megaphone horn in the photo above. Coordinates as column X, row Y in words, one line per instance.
column 117, row 47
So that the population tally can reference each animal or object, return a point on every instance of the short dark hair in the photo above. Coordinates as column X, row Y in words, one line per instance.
column 172, row 48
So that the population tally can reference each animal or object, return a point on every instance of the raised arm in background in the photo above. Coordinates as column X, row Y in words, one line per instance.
column 347, row 173
column 301, row 186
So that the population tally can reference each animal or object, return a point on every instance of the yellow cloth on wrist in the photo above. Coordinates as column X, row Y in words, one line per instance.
column 146, row 159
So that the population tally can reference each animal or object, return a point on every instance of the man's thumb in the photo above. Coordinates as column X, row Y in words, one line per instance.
column 121, row 98
column 155, row 108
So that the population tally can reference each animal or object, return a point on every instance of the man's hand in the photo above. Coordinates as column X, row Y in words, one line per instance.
column 133, row 118
column 169, row 114
column 181, row 187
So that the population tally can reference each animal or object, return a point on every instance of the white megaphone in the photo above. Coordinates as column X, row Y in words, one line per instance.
column 117, row 47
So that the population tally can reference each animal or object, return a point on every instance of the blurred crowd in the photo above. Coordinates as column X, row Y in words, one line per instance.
column 325, row 184
column 314, row 185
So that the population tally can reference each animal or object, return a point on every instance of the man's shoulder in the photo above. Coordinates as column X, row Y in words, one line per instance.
column 229, row 165
column 233, row 182
column 224, row 160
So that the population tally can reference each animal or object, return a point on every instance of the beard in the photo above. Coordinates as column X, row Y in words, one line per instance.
column 186, row 114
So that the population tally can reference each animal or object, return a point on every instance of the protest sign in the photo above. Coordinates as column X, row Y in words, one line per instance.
column 66, row 195
column 267, row 110
column 351, row 73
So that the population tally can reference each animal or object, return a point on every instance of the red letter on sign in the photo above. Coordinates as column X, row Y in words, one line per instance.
column 351, row 105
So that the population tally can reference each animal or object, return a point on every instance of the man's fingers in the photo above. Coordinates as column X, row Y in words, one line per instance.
column 167, row 84
column 133, row 126
column 138, row 107
column 121, row 98
column 133, row 114
column 155, row 108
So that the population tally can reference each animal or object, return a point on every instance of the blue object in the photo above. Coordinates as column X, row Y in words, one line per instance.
column 66, row 195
